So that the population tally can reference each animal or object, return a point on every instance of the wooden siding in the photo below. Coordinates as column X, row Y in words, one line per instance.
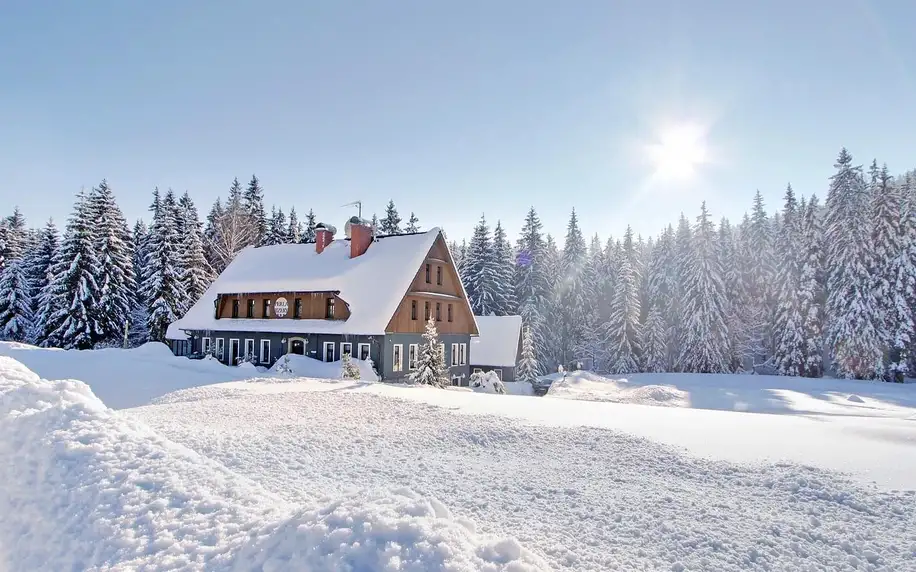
column 445, row 294
column 314, row 305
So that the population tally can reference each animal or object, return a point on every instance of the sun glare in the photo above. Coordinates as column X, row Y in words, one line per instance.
column 679, row 151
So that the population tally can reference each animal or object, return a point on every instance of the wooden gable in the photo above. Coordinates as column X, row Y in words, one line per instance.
column 436, row 286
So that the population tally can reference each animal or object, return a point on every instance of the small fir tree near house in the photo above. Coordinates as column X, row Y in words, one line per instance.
column 348, row 369
column 528, row 364
column 430, row 363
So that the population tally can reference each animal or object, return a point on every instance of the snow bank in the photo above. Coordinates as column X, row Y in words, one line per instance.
column 304, row 366
column 91, row 488
column 518, row 388
column 588, row 386
column 487, row 382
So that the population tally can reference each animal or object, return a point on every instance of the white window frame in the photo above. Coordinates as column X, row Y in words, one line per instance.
column 245, row 355
column 477, row 370
column 233, row 359
column 463, row 354
column 324, row 351
column 397, row 357
column 265, row 356
column 360, row 347
column 454, row 361
column 413, row 356
column 220, row 349
column 204, row 345
column 349, row 350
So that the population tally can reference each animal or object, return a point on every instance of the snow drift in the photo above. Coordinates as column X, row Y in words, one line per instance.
column 92, row 489
column 304, row 366
column 588, row 386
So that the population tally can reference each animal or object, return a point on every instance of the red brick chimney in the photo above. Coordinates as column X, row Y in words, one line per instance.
column 323, row 237
column 360, row 237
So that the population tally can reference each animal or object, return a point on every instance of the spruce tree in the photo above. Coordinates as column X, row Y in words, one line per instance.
column 114, row 275
column 811, row 287
column 308, row 233
column 70, row 308
column 391, row 224
column 706, row 338
column 480, row 271
column 532, row 288
column 528, row 368
column 138, row 331
column 412, row 225
column 276, row 228
column 504, row 303
column 38, row 273
column 431, row 369
column 294, row 231
column 15, row 301
column 622, row 328
column 853, row 335
column 654, row 342
column 572, row 296
column 162, row 287
column 554, row 354
column 663, row 293
column 730, row 261
column 788, row 326
column 253, row 204
column 196, row 274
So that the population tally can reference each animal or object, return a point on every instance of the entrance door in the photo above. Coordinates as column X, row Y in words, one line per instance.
column 297, row 347
column 220, row 349
column 329, row 351
column 233, row 352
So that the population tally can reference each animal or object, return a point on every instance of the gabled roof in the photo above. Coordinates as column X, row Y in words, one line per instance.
column 372, row 285
column 497, row 345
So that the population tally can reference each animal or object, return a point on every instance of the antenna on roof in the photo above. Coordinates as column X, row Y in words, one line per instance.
column 358, row 205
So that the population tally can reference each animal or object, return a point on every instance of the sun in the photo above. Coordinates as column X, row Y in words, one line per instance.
column 679, row 151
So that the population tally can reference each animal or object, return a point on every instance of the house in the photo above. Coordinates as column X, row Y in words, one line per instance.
column 498, row 347
column 365, row 295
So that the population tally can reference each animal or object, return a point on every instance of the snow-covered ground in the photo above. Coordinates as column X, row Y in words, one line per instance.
column 584, row 485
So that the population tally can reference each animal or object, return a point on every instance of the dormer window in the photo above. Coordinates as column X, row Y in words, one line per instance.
column 413, row 309
column 249, row 311
column 235, row 308
column 265, row 311
column 329, row 314
column 427, row 274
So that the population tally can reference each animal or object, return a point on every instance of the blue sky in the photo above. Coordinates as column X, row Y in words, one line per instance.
column 452, row 109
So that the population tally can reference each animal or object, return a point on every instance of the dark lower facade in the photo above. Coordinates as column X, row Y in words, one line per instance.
column 393, row 355
column 504, row 373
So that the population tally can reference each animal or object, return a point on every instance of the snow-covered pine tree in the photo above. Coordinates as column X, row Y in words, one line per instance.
column 663, row 291
column 528, row 368
column 276, row 228
column 162, row 287
column 253, row 203
column 908, row 230
column 196, row 274
column 758, row 248
column 480, row 271
column 294, row 232
column 229, row 229
column 114, row 274
column 622, row 328
column 788, row 324
column 461, row 257
column 683, row 250
column 348, row 369
column 852, row 333
column 893, row 270
column 138, row 333
column 706, row 337
column 69, row 308
column 38, row 272
column 308, row 232
column 572, row 296
column 654, row 342
column 15, row 301
column 593, row 345
column 391, row 224
column 811, row 287
column 532, row 288
column 374, row 224
column 412, row 225
column 727, row 249
column 431, row 368
column 553, row 356
column 504, row 303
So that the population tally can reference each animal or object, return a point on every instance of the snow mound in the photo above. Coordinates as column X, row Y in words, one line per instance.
column 487, row 382
column 855, row 399
column 92, row 488
column 304, row 366
column 588, row 386
column 518, row 388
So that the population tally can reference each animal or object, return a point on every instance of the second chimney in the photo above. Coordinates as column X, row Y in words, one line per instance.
column 360, row 236
column 324, row 234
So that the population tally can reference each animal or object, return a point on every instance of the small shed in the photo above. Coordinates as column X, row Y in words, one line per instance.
column 498, row 347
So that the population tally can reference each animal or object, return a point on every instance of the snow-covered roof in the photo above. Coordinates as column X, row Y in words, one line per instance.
column 497, row 344
column 372, row 285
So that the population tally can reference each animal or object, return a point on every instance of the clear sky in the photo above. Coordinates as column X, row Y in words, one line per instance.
column 452, row 109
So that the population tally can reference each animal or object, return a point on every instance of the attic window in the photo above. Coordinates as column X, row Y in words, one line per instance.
column 265, row 310
column 427, row 275
column 235, row 308
column 449, row 312
column 413, row 309
column 438, row 312
column 426, row 311
column 297, row 308
column 439, row 275
column 330, row 308
column 249, row 310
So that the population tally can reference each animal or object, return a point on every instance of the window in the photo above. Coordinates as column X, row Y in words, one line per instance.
column 235, row 308
column 330, row 308
column 233, row 351
column 426, row 311
column 205, row 346
column 438, row 312
column 478, row 370
column 412, row 352
column 454, row 354
column 346, row 348
column 439, row 275
column 220, row 348
column 449, row 312
column 297, row 308
column 463, row 355
column 249, row 311
column 428, row 281
column 265, row 311
column 249, row 349
column 364, row 351
column 329, row 351
column 265, row 351
column 413, row 309
column 396, row 363
column 499, row 373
